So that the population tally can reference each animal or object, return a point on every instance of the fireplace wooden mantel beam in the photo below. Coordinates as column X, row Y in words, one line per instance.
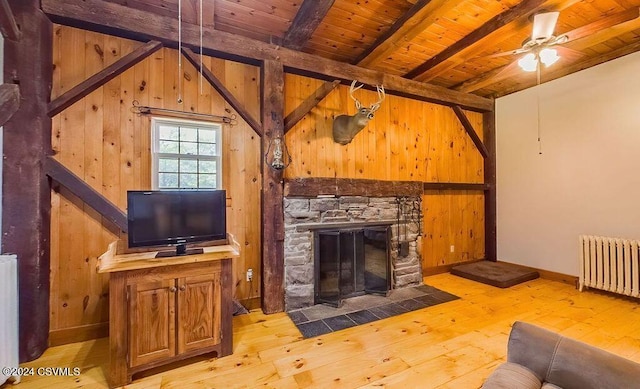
column 317, row 186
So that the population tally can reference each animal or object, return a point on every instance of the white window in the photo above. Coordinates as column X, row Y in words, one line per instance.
column 186, row 155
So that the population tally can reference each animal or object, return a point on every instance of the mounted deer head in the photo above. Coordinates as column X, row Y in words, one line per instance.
column 346, row 127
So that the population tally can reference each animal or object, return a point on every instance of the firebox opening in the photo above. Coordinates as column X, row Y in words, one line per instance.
column 351, row 262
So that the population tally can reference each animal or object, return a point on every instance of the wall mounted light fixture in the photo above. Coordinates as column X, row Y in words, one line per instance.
column 277, row 156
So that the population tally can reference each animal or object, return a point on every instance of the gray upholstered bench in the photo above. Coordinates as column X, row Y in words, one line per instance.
column 538, row 358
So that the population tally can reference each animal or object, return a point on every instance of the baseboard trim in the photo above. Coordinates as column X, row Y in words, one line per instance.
column 550, row 275
column 78, row 334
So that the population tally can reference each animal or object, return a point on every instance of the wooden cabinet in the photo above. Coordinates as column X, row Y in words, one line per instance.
column 152, row 313
column 173, row 316
column 199, row 302
column 166, row 310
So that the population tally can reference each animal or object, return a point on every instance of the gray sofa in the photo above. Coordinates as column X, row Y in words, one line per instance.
column 538, row 358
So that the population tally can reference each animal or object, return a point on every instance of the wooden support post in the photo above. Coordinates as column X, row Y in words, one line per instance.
column 26, row 196
column 272, row 97
column 490, row 223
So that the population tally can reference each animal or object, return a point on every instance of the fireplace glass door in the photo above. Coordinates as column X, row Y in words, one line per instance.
column 351, row 262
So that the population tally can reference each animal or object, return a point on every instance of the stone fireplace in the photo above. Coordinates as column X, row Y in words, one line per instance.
column 306, row 217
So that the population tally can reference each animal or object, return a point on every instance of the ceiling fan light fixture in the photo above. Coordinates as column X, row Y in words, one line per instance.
column 528, row 63
column 549, row 56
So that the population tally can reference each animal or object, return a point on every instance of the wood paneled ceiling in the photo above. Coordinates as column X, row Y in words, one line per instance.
column 443, row 42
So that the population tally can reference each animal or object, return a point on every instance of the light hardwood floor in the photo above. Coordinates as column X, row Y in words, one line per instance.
column 452, row 345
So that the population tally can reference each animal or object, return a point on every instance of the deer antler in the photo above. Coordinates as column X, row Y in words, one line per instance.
column 374, row 107
column 353, row 89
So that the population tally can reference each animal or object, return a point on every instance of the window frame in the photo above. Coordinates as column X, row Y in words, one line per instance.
column 156, row 155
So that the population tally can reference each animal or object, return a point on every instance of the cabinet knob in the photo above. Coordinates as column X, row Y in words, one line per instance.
column 172, row 289
column 183, row 288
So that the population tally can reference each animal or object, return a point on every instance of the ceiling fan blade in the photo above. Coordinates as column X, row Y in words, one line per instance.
column 543, row 25
column 569, row 55
column 601, row 24
column 505, row 53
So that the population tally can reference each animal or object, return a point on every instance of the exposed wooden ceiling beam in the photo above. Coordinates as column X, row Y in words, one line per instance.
column 603, row 23
column 8, row 25
column 307, row 105
column 305, row 22
column 495, row 38
column 519, row 10
column 9, row 101
column 597, row 37
column 119, row 20
column 421, row 15
column 466, row 124
column 81, row 90
column 576, row 67
column 223, row 91
column 581, row 38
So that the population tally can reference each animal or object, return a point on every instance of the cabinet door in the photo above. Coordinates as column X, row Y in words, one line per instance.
column 199, row 311
column 152, row 321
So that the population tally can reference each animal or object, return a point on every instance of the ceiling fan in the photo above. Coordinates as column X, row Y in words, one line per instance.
column 540, row 46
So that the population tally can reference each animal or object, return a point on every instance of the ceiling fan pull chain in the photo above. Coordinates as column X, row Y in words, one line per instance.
column 201, row 32
column 538, row 108
column 180, row 74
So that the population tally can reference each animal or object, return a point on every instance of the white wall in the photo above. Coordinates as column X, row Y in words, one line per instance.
column 587, row 179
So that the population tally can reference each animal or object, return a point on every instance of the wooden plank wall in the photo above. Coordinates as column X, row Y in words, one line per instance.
column 102, row 141
column 406, row 140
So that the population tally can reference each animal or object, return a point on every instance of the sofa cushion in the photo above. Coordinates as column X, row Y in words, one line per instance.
column 533, row 347
column 577, row 365
column 512, row 376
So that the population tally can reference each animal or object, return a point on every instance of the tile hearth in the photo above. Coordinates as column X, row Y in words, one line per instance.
column 322, row 319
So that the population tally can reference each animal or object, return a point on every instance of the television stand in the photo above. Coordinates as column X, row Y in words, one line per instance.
column 164, row 311
column 181, row 249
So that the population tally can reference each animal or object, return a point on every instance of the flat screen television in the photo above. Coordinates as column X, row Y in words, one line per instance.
column 176, row 218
